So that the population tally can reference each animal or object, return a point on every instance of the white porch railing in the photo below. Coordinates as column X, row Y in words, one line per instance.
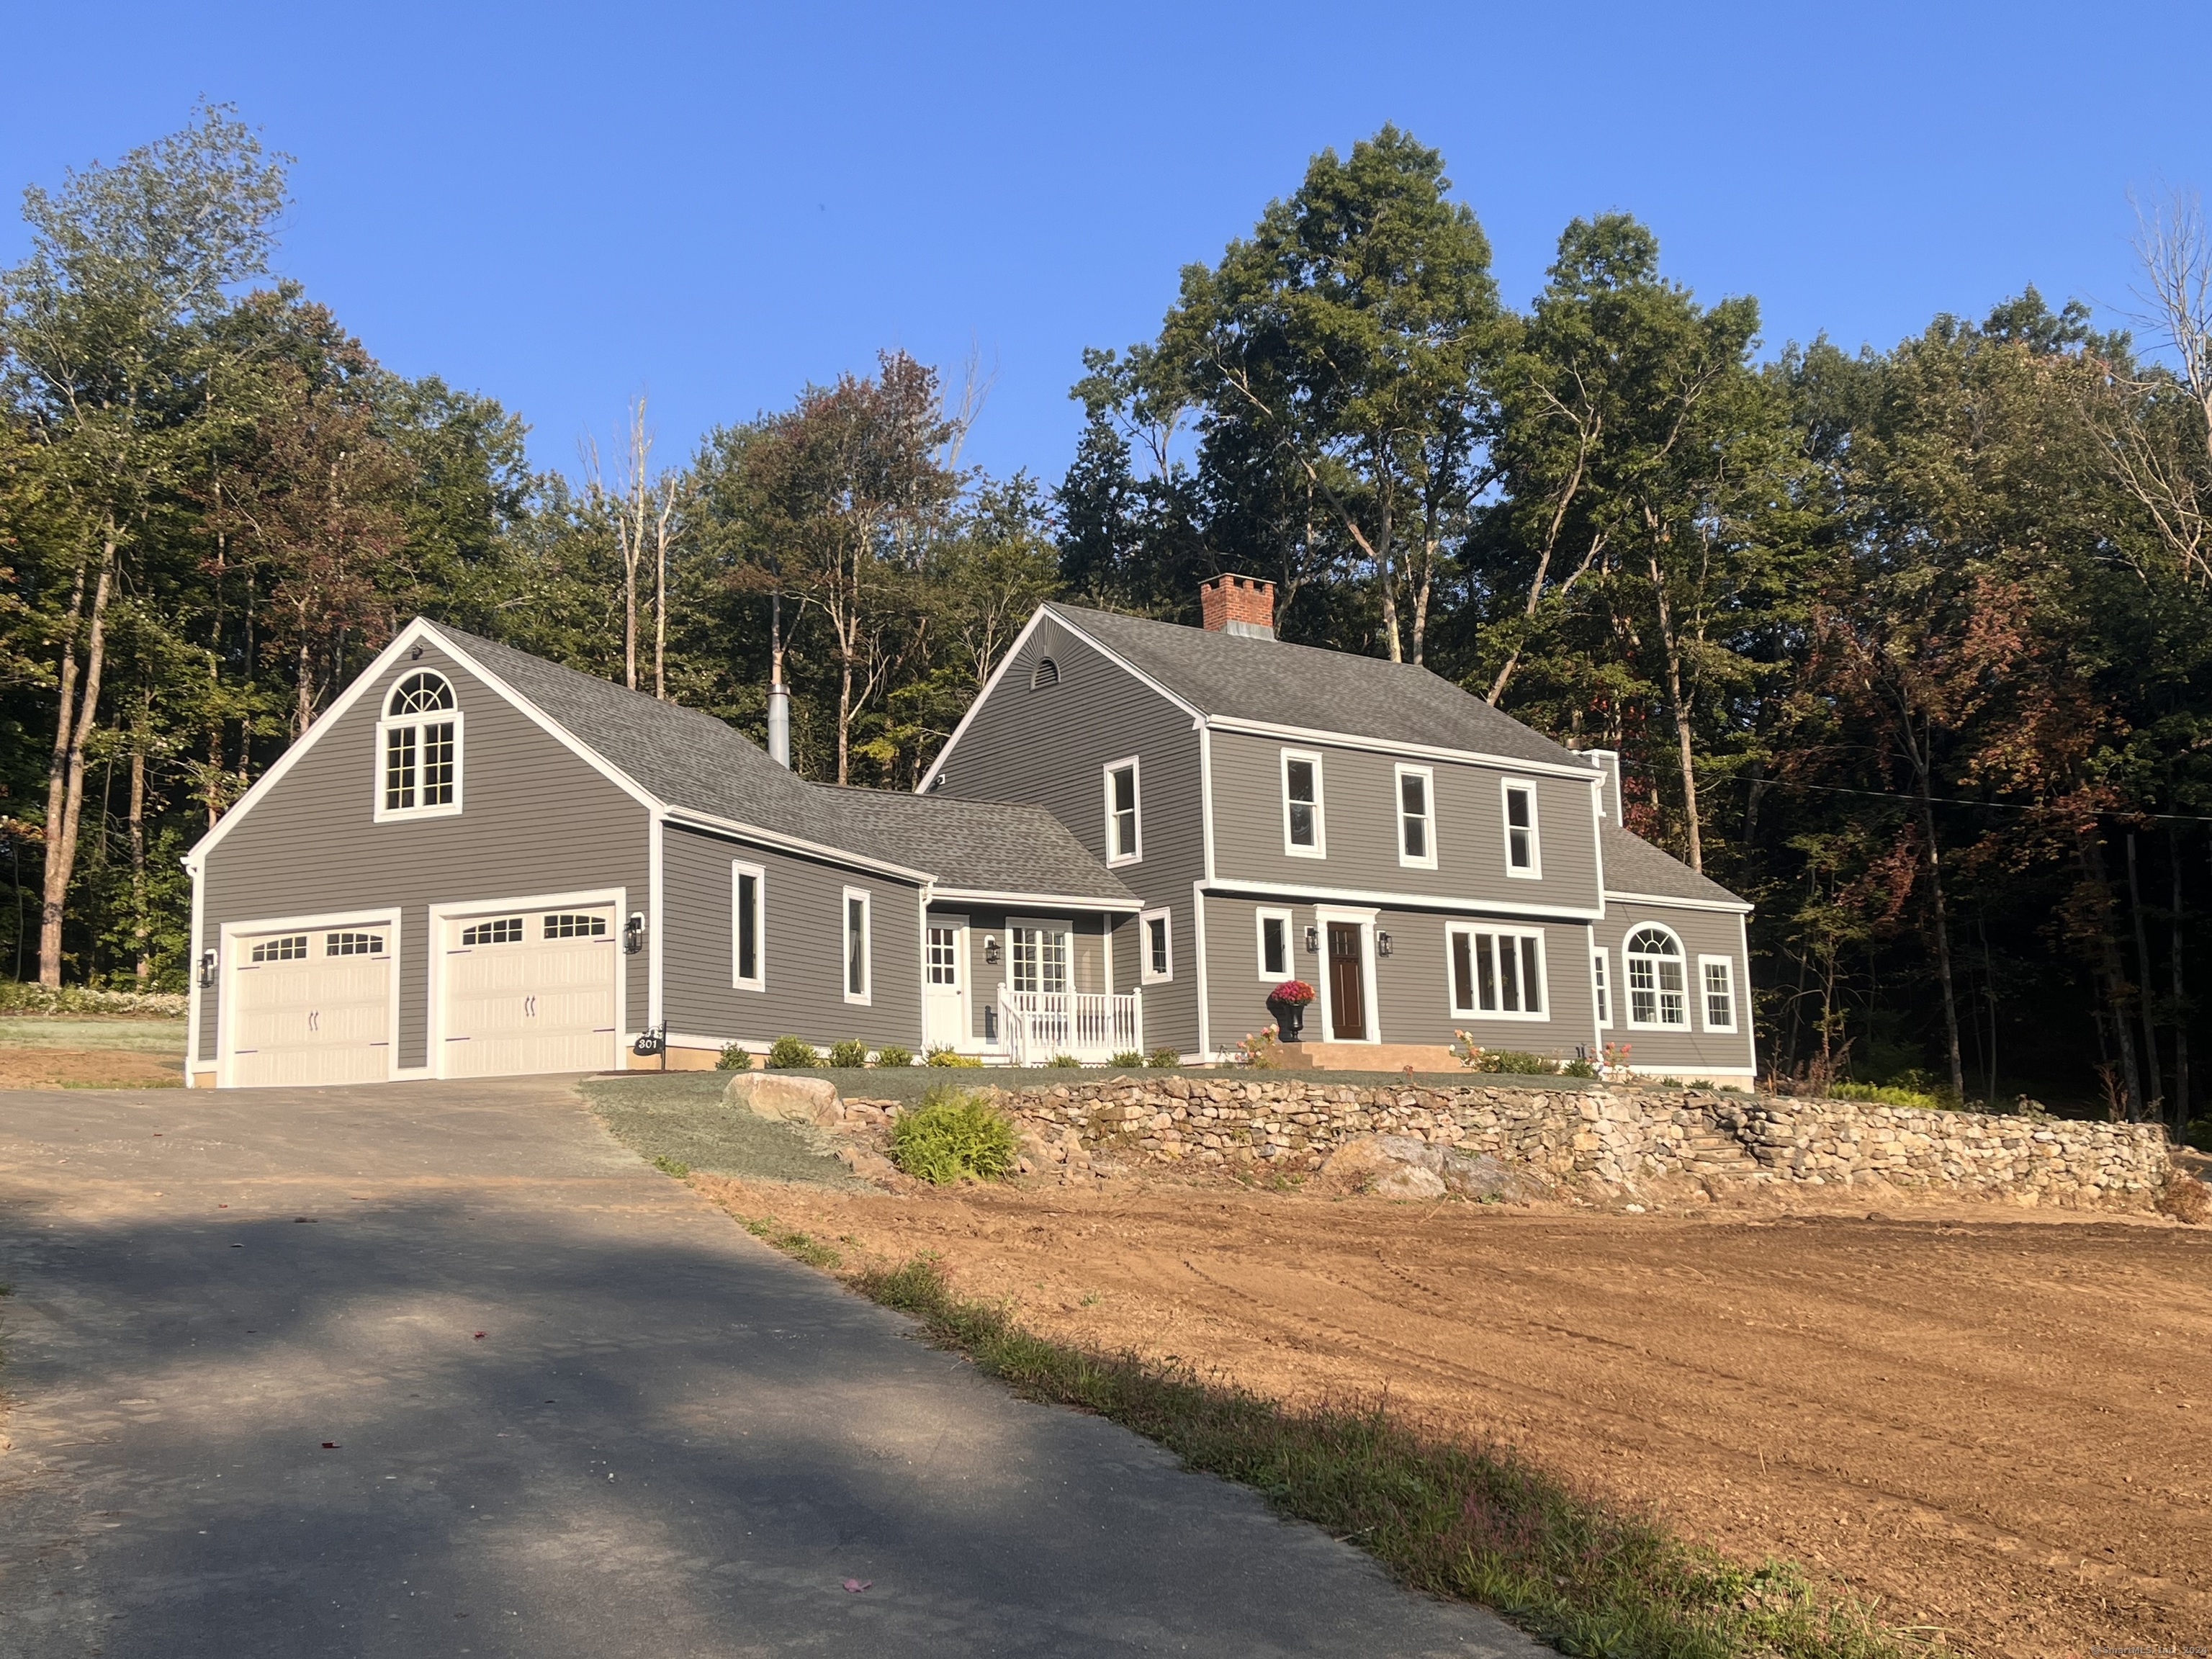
column 1036, row 1025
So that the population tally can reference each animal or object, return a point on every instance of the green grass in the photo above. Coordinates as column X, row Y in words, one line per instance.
column 681, row 1119
column 145, row 1036
column 1451, row 1516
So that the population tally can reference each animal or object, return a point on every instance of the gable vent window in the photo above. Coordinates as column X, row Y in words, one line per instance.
column 419, row 750
column 507, row 930
column 292, row 948
column 559, row 927
column 1047, row 673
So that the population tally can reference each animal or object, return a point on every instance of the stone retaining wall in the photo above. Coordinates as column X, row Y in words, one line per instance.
column 1617, row 1136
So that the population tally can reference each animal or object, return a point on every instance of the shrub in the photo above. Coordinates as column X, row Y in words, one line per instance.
column 1476, row 1057
column 942, row 1055
column 2200, row 1134
column 892, row 1055
column 1063, row 1062
column 791, row 1053
column 29, row 997
column 849, row 1056
column 1128, row 1060
column 1578, row 1068
column 1257, row 1050
column 954, row 1134
column 1164, row 1059
column 1886, row 1094
column 734, row 1057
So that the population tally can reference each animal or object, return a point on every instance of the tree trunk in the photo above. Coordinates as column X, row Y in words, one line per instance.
column 2180, row 996
column 844, row 712
column 2115, row 976
column 1678, row 706
column 2153, row 1097
column 1942, row 940
column 65, row 790
column 141, row 934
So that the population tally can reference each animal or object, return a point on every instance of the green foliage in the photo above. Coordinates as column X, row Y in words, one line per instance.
column 20, row 997
column 792, row 1242
column 1583, row 1069
column 944, row 1055
column 892, row 1055
column 849, row 1056
column 1162, row 1060
column 1883, row 1094
column 734, row 1057
column 1127, row 1060
column 954, row 1134
column 672, row 1166
column 791, row 1053
column 1063, row 1063
column 2199, row 1135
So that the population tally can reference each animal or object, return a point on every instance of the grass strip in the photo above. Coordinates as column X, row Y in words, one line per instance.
column 1457, row 1518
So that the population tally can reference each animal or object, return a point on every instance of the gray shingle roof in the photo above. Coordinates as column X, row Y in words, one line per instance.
column 1243, row 679
column 1634, row 865
column 689, row 758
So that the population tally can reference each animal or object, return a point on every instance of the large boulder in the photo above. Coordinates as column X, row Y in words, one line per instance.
column 1399, row 1166
column 783, row 1097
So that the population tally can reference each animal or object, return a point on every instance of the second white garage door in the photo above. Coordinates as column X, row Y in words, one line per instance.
column 529, row 991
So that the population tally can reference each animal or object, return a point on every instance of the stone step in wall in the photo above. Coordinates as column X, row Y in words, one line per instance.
column 1616, row 1135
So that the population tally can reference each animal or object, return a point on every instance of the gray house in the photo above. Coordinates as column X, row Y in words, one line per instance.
column 477, row 863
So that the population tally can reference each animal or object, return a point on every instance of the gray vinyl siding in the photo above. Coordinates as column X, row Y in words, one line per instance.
column 1086, row 946
column 803, row 960
column 1413, row 985
column 536, row 819
column 1050, row 747
column 1703, row 932
column 1360, row 827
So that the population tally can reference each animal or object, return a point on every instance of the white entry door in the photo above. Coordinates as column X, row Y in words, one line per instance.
column 311, row 1005
column 944, row 984
column 525, row 991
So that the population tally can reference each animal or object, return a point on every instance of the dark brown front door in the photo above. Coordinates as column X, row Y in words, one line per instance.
column 1347, row 983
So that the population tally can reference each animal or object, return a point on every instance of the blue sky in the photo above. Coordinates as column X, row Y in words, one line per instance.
column 560, row 205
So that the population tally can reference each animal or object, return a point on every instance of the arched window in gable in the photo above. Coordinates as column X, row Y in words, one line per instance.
column 418, row 744
column 1657, row 986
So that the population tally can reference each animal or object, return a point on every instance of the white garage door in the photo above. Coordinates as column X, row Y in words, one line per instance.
column 530, row 991
column 312, row 1006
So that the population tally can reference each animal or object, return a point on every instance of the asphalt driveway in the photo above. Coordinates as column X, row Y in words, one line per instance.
column 436, row 1369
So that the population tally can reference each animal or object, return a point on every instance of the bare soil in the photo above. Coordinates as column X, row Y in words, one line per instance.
column 88, row 1068
column 1987, row 1420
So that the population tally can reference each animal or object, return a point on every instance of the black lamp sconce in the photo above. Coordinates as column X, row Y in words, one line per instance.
column 634, row 935
column 1382, row 944
column 207, row 969
column 991, row 949
column 1313, row 941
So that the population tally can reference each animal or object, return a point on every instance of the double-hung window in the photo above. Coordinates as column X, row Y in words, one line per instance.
column 418, row 751
column 1658, row 995
column 748, row 926
column 1274, row 942
column 1602, row 989
column 1304, row 833
column 1717, row 979
column 1495, row 972
column 1523, row 857
column 856, row 945
column 1040, row 957
column 1122, row 845
column 1416, row 828
column 1154, row 935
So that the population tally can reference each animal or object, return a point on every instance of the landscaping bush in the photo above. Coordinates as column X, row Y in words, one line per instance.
column 1128, row 1060
column 1164, row 1059
column 1578, row 1068
column 954, row 1134
column 1886, row 1094
column 734, row 1057
column 943, row 1056
column 29, row 997
column 791, row 1053
column 1063, row 1062
column 849, row 1056
column 894, row 1056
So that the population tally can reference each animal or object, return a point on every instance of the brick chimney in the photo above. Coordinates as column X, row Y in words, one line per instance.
column 1238, row 604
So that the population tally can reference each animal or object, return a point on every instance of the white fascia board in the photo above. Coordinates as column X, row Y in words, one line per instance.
column 1302, row 892
column 1735, row 907
column 698, row 820
column 1051, row 901
column 1392, row 746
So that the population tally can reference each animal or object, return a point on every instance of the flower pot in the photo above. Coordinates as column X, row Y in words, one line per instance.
column 1290, row 1017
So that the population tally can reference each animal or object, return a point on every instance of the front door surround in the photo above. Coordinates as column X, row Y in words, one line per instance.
column 1347, row 982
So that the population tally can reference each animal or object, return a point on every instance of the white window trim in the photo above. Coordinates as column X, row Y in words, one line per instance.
column 1320, row 849
column 1113, row 859
column 382, row 814
column 759, row 979
column 1505, row 788
column 1735, row 1020
column 1146, row 974
column 1501, row 931
column 866, row 993
column 1690, row 988
column 1260, row 919
column 1066, row 929
column 1428, row 777
column 1602, row 987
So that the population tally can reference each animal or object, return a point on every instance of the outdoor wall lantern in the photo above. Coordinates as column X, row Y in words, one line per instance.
column 1382, row 944
column 1313, row 941
column 207, row 969
column 991, row 949
column 634, row 935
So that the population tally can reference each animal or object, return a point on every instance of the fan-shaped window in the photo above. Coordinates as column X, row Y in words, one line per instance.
column 1658, row 988
column 418, row 744
column 1047, row 673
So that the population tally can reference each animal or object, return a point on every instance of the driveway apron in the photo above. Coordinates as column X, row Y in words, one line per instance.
column 432, row 1369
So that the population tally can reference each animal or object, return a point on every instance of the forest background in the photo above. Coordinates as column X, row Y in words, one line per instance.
column 1909, row 647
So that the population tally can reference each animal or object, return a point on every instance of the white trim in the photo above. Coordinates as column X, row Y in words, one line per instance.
column 1115, row 860
column 1704, row 1005
column 692, row 818
column 1736, row 906
column 1205, row 982
column 1069, row 901
column 1460, row 903
column 1206, row 795
column 1262, row 914
column 1602, row 991
column 192, row 986
column 1526, row 787
column 388, row 917
column 434, row 987
column 1427, row 775
column 1474, row 1010
column 962, row 988
column 656, row 1011
column 1320, row 848
column 1364, row 920
column 1744, row 1015
column 1392, row 746
column 759, row 980
column 387, row 722
column 1146, row 974
column 1063, row 926
column 867, row 994
column 1687, row 1022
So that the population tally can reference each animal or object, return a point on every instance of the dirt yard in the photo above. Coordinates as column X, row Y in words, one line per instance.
column 1987, row 1421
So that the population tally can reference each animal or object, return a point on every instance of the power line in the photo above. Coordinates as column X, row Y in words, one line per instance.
column 1961, row 800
